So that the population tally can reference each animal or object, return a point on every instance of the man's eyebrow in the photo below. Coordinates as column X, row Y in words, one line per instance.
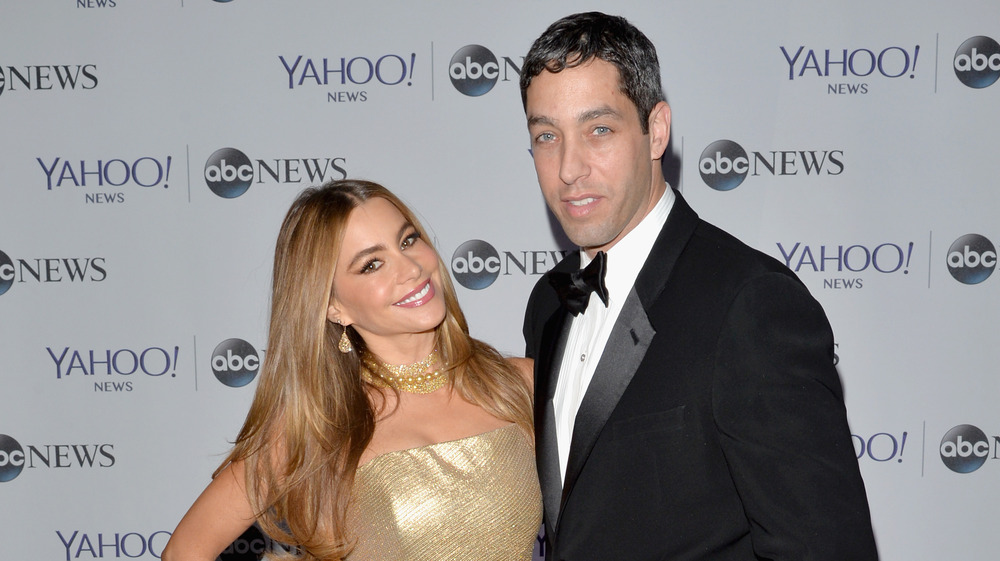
column 603, row 111
column 589, row 115
column 540, row 120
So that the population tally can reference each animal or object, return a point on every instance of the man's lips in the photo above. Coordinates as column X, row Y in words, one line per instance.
column 580, row 206
column 418, row 297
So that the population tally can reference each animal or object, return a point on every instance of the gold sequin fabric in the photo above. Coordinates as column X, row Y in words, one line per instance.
column 476, row 498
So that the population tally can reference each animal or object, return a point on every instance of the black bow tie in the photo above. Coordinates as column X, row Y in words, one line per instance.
column 574, row 288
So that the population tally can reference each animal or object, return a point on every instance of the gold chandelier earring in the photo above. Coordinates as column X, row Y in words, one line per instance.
column 344, row 345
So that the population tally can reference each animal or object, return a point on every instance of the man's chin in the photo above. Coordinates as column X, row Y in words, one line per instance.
column 583, row 235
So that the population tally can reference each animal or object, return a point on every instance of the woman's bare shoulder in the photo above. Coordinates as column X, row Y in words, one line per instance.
column 525, row 366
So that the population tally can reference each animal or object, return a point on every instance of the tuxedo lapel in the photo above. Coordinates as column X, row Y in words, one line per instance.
column 622, row 355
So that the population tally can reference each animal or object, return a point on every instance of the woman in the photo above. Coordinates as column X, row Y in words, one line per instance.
column 380, row 429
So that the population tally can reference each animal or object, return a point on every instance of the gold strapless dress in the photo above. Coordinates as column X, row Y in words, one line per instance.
column 472, row 499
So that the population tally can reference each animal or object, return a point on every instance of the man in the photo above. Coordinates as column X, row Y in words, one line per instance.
column 691, row 411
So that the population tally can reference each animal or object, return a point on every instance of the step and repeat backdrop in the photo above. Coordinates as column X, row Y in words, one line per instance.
column 150, row 150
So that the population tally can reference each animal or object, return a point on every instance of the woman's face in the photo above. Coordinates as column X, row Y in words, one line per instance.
column 386, row 283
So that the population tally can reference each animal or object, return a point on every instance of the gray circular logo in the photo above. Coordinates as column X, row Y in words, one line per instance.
column 6, row 272
column 11, row 458
column 235, row 362
column 977, row 62
column 972, row 259
column 723, row 165
column 475, row 264
column 964, row 449
column 473, row 70
column 228, row 173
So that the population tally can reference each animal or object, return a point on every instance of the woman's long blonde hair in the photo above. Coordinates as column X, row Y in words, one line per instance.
column 311, row 416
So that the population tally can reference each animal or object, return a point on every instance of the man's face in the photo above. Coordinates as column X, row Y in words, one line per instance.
column 594, row 164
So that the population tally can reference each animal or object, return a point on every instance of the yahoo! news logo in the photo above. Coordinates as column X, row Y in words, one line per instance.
column 47, row 78
column 229, row 172
column 14, row 458
column 131, row 545
column 880, row 447
column 50, row 270
column 843, row 263
column 477, row 264
column 114, row 370
column 146, row 171
column 384, row 71
column 977, row 62
column 849, row 66
column 965, row 448
column 96, row 4
column 474, row 70
column 235, row 362
column 724, row 164
column 972, row 259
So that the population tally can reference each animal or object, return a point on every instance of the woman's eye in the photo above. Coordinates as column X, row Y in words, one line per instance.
column 371, row 266
column 410, row 240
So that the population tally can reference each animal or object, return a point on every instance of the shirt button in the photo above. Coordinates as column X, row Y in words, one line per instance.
column 583, row 357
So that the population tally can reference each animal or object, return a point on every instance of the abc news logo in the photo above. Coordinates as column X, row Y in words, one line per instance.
column 477, row 264
column 47, row 270
column 252, row 545
column 13, row 458
column 47, row 78
column 965, row 448
column 229, row 172
column 724, row 164
column 6, row 272
column 977, row 62
column 474, row 70
column 972, row 259
column 235, row 363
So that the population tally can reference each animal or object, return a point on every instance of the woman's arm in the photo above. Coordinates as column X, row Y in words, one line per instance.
column 219, row 516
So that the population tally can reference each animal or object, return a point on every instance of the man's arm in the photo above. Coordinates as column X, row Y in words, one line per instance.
column 779, row 407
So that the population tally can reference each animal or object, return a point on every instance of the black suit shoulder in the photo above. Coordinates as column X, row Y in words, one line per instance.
column 543, row 303
column 727, row 255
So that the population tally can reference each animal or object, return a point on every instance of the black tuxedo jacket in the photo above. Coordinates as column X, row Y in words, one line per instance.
column 714, row 427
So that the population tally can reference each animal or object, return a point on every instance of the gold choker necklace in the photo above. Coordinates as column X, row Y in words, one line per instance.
column 411, row 378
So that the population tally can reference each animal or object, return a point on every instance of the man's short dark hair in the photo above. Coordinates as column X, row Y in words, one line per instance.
column 576, row 39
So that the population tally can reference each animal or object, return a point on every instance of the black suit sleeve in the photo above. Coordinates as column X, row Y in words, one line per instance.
column 778, row 405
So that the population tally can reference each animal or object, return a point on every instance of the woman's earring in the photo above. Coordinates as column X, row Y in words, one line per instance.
column 344, row 345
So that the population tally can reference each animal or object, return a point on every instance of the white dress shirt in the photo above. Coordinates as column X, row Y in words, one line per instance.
column 590, row 330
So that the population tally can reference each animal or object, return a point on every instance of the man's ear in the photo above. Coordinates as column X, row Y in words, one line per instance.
column 659, row 129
